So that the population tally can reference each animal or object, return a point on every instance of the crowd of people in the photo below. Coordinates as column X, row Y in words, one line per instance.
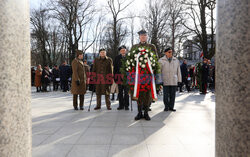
column 104, row 77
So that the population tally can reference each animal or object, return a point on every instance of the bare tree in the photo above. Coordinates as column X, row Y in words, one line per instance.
column 198, row 14
column 116, row 32
column 47, row 42
column 74, row 15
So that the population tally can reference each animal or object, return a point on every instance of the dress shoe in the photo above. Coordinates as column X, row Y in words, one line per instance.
column 81, row 108
column 139, row 116
column 126, row 108
column 146, row 116
column 97, row 108
column 120, row 108
column 109, row 108
column 75, row 108
column 172, row 110
column 166, row 109
column 149, row 109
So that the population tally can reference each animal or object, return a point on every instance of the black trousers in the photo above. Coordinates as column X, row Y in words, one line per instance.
column 123, row 96
column 169, row 96
column 184, row 81
column 55, row 85
column 64, row 85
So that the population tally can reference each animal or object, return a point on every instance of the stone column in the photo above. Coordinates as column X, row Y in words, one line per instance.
column 233, row 78
column 15, row 117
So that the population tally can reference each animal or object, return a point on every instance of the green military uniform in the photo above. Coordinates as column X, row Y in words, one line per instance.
column 104, row 73
column 145, row 98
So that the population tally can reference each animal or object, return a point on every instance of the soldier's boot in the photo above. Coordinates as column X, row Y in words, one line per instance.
column 146, row 116
column 139, row 115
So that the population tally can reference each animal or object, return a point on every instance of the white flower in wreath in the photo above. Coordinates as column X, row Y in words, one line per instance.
column 143, row 52
column 134, row 51
column 127, row 69
column 143, row 65
column 146, row 50
column 139, row 49
column 131, row 60
column 128, row 54
column 151, row 54
column 128, row 62
column 140, row 63
column 133, row 64
column 135, row 55
column 151, row 58
column 141, row 58
column 145, row 60
column 153, row 64
column 146, row 55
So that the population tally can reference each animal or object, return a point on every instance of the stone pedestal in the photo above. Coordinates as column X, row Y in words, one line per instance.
column 233, row 78
column 15, row 118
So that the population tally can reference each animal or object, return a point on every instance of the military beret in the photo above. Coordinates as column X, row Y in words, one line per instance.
column 141, row 32
column 122, row 47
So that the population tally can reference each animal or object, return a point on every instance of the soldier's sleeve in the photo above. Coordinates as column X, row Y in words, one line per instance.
column 74, row 70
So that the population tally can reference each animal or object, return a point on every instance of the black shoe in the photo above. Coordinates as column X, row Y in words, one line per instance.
column 81, row 108
column 97, row 108
column 126, row 108
column 109, row 108
column 146, row 116
column 120, row 108
column 139, row 116
column 149, row 109
column 172, row 110
column 75, row 108
column 166, row 109
column 112, row 99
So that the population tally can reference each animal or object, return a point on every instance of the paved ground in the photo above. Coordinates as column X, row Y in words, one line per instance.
column 59, row 131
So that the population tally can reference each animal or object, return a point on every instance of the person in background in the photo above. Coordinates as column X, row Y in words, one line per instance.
column 45, row 78
column 79, row 80
column 55, row 77
column 65, row 73
column 184, row 75
column 204, row 76
column 33, row 74
column 38, row 76
column 171, row 76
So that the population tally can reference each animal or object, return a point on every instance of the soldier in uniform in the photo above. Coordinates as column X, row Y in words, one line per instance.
column 104, row 77
column 145, row 98
column 79, row 79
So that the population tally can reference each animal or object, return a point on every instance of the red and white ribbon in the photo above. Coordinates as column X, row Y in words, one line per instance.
column 137, row 85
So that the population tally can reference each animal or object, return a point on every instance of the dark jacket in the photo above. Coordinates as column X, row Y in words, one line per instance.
column 55, row 74
column 44, row 78
column 184, row 71
column 117, row 67
column 205, row 73
column 65, row 72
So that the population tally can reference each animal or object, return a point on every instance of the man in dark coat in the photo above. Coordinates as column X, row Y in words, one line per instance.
column 46, row 76
column 204, row 76
column 65, row 73
column 104, row 77
column 123, row 90
column 55, row 77
column 184, row 74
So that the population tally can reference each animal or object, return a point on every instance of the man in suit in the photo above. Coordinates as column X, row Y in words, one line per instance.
column 123, row 90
